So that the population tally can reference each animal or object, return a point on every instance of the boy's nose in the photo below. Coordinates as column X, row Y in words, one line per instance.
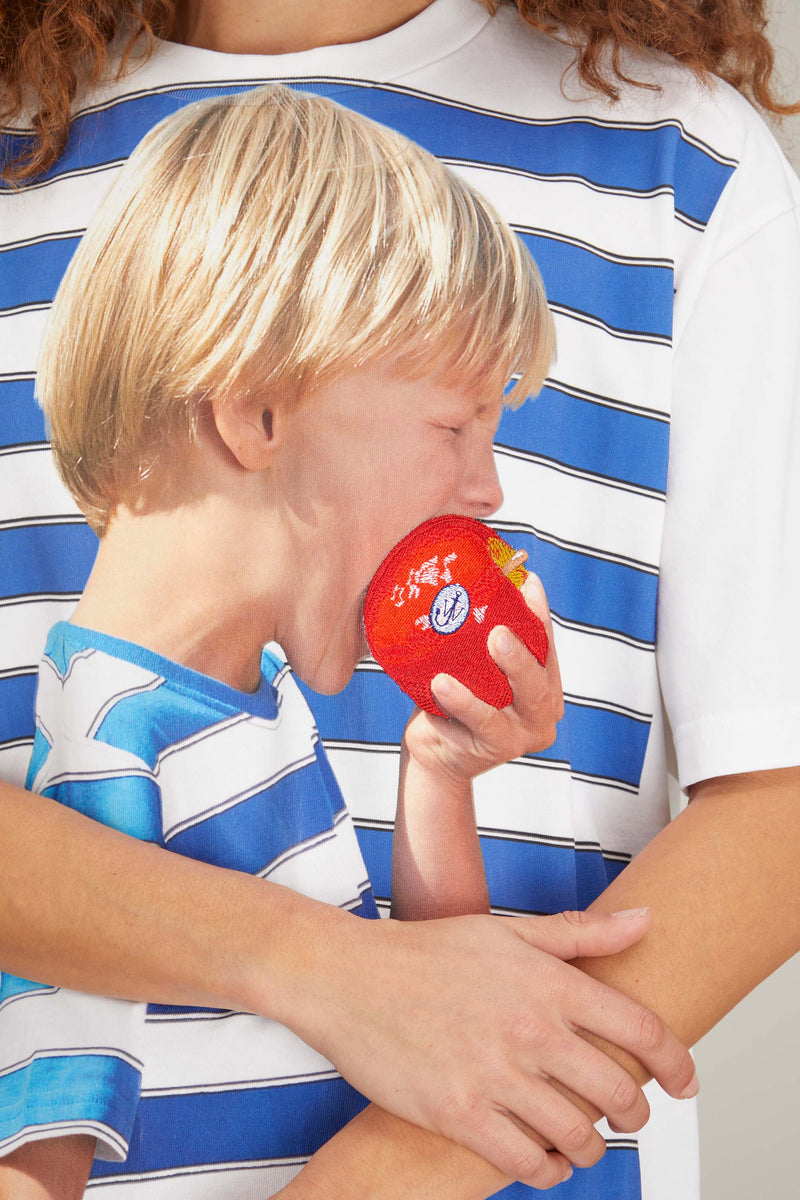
column 483, row 493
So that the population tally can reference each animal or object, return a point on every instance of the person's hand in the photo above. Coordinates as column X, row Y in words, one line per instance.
column 478, row 736
column 463, row 1026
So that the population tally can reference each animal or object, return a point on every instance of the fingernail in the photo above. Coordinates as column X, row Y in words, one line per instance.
column 568, row 1174
column 443, row 685
column 630, row 913
column 503, row 642
column 692, row 1089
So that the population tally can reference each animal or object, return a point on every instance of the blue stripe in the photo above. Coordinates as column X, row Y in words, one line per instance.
column 589, row 437
column 31, row 274
column 596, row 742
column 638, row 160
column 592, row 591
column 21, row 418
column 17, row 701
column 254, row 832
column 525, row 876
column 87, row 1087
column 12, row 985
column 148, row 723
column 237, row 1126
column 130, row 803
column 41, row 749
column 629, row 297
column 46, row 558
column 616, row 1175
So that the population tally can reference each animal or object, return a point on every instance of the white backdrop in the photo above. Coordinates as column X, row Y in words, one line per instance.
column 749, row 1066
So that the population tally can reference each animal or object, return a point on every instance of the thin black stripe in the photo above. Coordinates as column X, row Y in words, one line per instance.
column 571, row 389
column 565, row 468
column 564, row 544
column 609, row 256
column 627, row 335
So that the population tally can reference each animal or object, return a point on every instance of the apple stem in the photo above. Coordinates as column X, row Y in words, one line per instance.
column 516, row 560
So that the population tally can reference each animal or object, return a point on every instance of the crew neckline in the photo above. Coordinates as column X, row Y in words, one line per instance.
column 263, row 702
column 438, row 31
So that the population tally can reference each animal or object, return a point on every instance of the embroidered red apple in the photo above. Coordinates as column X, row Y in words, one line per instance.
column 433, row 601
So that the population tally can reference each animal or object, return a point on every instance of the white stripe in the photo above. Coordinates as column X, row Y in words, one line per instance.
column 75, row 697
column 24, row 628
column 20, row 341
column 330, row 870
column 182, row 1054
column 253, row 763
column 30, row 487
column 632, row 372
column 560, row 206
column 623, row 525
column 217, row 1181
column 511, row 798
column 69, row 201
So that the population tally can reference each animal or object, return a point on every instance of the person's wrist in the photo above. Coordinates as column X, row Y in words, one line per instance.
column 431, row 768
column 290, row 943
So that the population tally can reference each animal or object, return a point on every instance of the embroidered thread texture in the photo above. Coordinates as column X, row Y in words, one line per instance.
column 433, row 602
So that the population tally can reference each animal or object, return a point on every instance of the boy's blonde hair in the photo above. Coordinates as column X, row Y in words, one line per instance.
column 273, row 240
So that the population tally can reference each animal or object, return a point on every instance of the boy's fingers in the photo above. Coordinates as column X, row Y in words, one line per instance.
column 455, row 698
column 538, row 700
column 536, row 599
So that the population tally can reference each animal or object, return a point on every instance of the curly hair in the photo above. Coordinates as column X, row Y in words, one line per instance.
column 49, row 49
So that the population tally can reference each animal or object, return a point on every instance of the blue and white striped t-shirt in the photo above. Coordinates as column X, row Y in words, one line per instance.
column 219, row 1099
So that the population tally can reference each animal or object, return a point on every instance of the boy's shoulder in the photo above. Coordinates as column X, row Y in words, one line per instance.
column 106, row 698
column 159, row 751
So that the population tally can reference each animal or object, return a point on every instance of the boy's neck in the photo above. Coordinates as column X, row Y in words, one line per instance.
column 286, row 26
column 176, row 584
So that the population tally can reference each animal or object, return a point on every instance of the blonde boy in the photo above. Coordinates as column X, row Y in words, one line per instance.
column 282, row 344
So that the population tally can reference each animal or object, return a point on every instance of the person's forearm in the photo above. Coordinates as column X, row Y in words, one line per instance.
column 54, row 1168
column 437, row 866
column 380, row 1157
column 723, row 881
column 86, row 907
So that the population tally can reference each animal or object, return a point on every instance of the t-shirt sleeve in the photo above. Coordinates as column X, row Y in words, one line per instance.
column 728, row 645
column 71, row 1063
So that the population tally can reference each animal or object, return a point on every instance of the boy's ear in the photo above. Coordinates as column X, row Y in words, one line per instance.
column 249, row 424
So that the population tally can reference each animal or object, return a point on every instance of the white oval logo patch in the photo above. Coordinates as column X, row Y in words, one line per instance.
column 450, row 609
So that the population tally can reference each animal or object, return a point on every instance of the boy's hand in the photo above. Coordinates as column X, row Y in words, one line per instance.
column 478, row 737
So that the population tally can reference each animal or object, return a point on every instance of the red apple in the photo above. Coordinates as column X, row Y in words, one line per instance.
column 433, row 601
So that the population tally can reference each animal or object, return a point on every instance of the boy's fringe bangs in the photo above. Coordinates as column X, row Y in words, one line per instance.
column 274, row 240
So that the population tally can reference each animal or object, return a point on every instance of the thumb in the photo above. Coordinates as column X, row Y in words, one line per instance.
column 569, row 935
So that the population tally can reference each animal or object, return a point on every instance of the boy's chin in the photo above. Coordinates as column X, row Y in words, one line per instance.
column 327, row 679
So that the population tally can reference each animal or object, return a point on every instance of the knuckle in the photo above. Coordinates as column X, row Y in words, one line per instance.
column 574, row 916
column 528, row 1165
column 576, row 1138
column 465, row 1110
column 545, row 735
column 650, row 1032
column 625, row 1096
column 529, row 1030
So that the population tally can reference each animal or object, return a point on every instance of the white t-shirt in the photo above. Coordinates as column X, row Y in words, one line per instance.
column 653, row 482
